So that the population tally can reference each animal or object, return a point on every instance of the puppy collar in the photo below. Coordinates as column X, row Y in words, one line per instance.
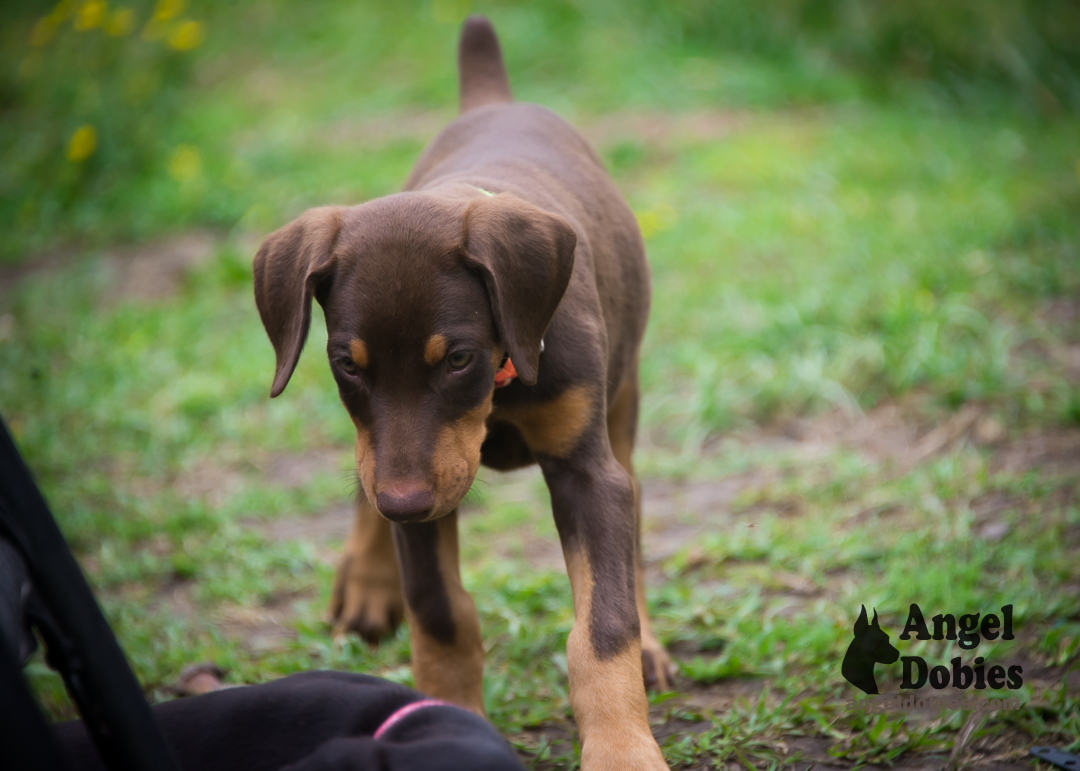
column 506, row 372
column 405, row 711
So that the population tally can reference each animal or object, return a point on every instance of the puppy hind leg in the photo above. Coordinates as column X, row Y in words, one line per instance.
column 367, row 595
column 657, row 667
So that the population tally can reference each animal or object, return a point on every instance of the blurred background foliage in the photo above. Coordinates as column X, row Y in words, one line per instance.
column 121, row 119
column 90, row 97
column 1025, row 50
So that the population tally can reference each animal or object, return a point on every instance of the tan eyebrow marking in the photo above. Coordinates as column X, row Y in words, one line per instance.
column 359, row 352
column 435, row 349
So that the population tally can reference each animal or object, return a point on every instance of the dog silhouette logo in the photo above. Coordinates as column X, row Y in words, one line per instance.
column 871, row 645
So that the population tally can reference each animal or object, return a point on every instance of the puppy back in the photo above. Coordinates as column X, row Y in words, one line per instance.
column 481, row 71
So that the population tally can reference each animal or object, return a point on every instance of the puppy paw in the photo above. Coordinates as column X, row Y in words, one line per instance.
column 366, row 601
column 630, row 754
column 656, row 666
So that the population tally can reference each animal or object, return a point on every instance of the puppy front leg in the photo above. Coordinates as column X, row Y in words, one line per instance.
column 593, row 503
column 447, row 649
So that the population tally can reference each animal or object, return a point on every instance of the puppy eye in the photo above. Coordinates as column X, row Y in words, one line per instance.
column 348, row 366
column 459, row 360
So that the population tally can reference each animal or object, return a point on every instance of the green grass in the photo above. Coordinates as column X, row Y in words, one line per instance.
column 815, row 252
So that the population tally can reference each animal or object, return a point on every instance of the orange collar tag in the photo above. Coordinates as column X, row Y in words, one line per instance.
column 505, row 374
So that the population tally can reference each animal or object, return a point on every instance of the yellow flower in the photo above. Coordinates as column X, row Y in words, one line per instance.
column 167, row 9
column 120, row 22
column 82, row 144
column 656, row 220
column 187, row 35
column 90, row 15
column 649, row 223
column 185, row 163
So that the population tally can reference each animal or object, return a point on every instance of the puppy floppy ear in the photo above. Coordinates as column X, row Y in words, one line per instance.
column 526, row 256
column 289, row 266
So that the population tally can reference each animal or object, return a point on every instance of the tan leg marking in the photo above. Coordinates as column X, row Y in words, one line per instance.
column 606, row 694
column 453, row 672
column 435, row 350
column 554, row 427
column 367, row 590
column 359, row 353
column 657, row 667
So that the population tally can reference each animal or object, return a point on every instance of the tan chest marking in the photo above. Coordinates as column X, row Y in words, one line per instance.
column 554, row 427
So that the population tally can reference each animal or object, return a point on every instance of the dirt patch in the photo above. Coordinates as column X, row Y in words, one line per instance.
column 148, row 271
column 716, row 697
column 176, row 596
column 675, row 513
column 211, row 480
column 323, row 527
column 1062, row 311
column 292, row 470
column 215, row 479
column 895, row 431
column 262, row 628
column 1056, row 450
column 902, row 433
column 154, row 271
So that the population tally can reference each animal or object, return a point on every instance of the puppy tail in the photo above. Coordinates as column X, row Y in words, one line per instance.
column 480, row 66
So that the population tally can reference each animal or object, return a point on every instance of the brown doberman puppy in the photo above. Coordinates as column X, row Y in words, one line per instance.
column 491, row 313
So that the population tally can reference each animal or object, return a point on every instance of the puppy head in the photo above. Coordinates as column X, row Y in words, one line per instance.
column 422, row 296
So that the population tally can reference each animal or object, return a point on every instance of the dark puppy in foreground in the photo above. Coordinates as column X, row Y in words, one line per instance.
column 491, row 313
column 313, row 721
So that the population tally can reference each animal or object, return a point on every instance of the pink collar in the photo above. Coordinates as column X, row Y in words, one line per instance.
column 405, row 711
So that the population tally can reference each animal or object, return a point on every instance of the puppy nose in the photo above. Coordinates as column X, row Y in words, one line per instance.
column 404, row 500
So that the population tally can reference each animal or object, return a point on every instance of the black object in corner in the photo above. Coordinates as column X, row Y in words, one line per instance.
column 79, row 643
